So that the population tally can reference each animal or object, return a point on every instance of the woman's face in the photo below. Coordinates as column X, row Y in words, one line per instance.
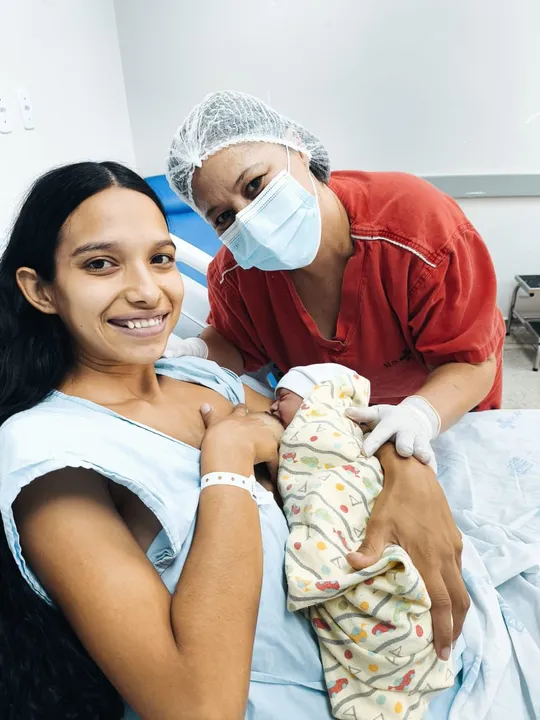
column 229, row 180
column 117, row 288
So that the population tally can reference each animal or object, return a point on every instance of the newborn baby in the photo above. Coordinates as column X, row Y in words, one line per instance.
column 374, row 626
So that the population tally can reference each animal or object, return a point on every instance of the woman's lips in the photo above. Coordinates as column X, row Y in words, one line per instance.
column 140, row 332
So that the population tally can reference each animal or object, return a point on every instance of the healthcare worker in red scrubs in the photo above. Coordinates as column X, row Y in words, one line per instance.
column 379, row 271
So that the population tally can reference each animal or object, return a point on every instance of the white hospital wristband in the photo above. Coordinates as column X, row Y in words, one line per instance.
column 232, row 479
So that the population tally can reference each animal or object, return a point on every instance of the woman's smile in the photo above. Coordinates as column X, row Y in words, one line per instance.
column 141, row 326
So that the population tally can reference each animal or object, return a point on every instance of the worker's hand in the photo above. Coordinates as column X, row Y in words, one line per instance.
column 411, row 511
column 410, row 425
column 176, row 347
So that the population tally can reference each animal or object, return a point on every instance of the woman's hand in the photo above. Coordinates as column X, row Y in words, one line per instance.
column 241, row 438
column 412, row 512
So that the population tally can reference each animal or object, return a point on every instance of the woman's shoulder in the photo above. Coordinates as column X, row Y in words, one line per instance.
column 45, row 433
column 59, row 416
column 206, row 373
column 60, row 412
column 28, row 425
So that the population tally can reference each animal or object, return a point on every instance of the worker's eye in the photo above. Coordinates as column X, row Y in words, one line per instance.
column 254, row 187
column 223, row 221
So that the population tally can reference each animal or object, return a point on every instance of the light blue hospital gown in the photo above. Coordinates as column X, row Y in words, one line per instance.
column 286, row 678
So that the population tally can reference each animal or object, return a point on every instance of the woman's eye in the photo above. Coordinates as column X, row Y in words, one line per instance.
column 163, row 259
column 99, row 264
column 224, row 220
column 253, row 187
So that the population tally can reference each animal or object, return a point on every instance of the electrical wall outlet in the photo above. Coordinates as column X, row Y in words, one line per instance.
column 26, row 108
column 6, row 120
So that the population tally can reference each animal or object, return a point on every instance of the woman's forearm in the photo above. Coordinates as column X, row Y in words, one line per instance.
column 456, row 388
column 215, row 606
column 221, row 351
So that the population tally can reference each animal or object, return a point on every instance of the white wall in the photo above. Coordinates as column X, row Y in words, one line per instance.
column 66, row 54
column 420, row 86
column 511, row 228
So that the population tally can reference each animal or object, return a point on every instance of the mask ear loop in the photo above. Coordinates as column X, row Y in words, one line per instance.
column 314, row 186
column 311, row 177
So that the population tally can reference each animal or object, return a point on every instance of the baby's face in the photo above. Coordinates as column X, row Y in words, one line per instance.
column 285, row 406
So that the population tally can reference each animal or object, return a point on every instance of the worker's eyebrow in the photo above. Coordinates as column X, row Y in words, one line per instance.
column 247, row 171
column 256, row 167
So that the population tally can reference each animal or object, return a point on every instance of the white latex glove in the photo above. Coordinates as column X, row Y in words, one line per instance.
column 412, row 425
column 177, row 347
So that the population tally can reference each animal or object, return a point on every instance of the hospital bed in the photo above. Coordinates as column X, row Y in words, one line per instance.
column 197, row 243
column 195, row 307
column 489, row 467
column 185, row 223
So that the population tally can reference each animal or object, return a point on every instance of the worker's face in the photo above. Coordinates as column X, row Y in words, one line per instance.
column 117, row 288
column 229, row 180
column 285, row 406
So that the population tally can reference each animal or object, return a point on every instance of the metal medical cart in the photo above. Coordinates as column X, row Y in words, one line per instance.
column 529, row 284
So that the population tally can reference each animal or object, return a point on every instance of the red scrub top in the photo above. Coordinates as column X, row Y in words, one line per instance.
column 418, row 292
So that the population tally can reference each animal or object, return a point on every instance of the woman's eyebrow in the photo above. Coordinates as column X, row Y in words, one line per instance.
column 107, row 246
column 93, row 247
column 164, row 243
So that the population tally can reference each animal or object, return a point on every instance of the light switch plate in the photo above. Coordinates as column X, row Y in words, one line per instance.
column 6, row 120
column 27, row 111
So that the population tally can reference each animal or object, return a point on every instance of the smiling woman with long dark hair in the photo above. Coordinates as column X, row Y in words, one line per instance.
column 134, row 532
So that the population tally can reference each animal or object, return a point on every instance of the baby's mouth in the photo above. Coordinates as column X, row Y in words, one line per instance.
column 275, row 414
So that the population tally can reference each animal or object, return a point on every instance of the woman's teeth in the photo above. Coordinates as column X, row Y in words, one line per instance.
column 144, row 323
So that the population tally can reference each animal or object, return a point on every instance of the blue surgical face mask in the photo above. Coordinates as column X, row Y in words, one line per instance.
column 280, row 229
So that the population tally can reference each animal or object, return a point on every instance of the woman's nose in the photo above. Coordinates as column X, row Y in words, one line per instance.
column 143, row 288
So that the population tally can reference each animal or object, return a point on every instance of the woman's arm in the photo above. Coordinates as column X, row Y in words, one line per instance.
column 455, row 388
column 159, row 651
column 221, row 351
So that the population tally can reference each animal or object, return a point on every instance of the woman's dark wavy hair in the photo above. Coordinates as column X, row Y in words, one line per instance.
column 45, row 673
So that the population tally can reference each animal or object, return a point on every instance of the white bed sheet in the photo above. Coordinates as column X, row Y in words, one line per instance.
column 490, row 463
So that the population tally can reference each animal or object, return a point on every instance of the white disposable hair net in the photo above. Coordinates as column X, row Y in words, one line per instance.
column 229, row 118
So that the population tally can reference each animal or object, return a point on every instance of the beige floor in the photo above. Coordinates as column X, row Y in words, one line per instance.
column 521, row 386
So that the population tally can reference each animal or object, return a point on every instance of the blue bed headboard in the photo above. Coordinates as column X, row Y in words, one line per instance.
column 185, row 223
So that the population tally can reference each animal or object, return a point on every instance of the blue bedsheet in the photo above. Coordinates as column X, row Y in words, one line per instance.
column 489, row 466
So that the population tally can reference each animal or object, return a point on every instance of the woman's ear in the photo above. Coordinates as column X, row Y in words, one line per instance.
column 38, row 294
